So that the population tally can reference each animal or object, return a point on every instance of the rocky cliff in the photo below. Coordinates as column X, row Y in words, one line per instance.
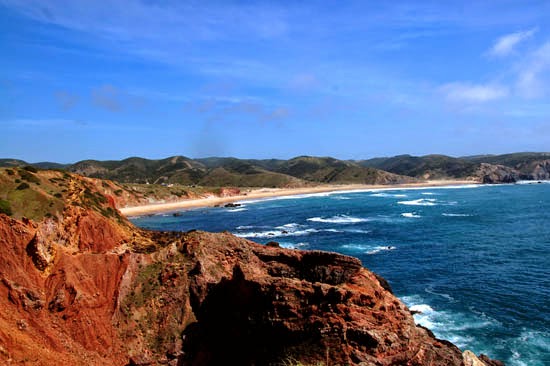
column 85, row 287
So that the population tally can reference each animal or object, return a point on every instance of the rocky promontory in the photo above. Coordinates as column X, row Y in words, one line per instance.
column 83, row 286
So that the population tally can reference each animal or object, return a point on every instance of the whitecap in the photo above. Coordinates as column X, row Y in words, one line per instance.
column 275, row 233
column 245, row 227
column 368, row 249
column 428, row 193
column 292, row 225
column 355, row 247
column 422, row 308
column 420, row 202
column 293, row 245
column 410, row 215
column 238, row 209
column 444, row 324
column 454, row 215
column 333, row 231
column 380, row 249
column 382, row 194
column 339, row 219
column 357, row 231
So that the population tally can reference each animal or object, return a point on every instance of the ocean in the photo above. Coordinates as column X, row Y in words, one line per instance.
column 475, row 260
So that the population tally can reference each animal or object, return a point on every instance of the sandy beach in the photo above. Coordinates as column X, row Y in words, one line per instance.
column 276, row 192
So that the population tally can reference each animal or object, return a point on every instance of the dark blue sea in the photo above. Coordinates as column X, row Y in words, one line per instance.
column 474, row 259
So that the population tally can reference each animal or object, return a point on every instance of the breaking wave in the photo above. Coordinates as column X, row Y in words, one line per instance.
column 420, row 202
column 338, row 219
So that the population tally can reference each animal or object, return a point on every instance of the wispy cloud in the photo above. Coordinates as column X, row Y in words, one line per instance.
column 223, row 109
column 506, row 44
column 474, row 93
column 107, row 97
column 533, row 75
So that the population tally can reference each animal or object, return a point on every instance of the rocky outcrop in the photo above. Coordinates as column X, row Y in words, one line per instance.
column 535, row 170
column 490, row 174
column 264, row 305
column 88, row 288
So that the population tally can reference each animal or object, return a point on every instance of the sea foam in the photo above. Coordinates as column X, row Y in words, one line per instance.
column 420, row 202
column 338, row 219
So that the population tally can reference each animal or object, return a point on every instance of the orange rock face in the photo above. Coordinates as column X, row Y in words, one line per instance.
column 90, row 289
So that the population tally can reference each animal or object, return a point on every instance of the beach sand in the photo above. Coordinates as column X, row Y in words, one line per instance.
column 276, row 192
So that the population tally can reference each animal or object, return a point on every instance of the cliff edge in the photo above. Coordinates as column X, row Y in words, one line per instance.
column 83, row 286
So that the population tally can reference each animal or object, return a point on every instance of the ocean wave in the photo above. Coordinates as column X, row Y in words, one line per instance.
column 422, row 308
column 430, row 290
column 454, row 215
column 338, row 219
column 238, row 209
column 420, row 202
column 357, row 231
column 444, row 324
column 428, row 193
column 293, row 245
column 380, row 249
column 340, row 198
column 533, row 181
column 365, row 248
column 382, row 194
column 290, row 226
column 530, row 348
column 410, row 215
column 275, row 233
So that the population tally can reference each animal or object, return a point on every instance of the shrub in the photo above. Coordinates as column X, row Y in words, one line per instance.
column 22, row 186
column 5, row 208
column 58, row 195
column 29, row 177
column 10, row 172
column 30, row 168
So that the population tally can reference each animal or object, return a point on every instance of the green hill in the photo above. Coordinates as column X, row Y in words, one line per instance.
column 427, row 167
column 306, row 170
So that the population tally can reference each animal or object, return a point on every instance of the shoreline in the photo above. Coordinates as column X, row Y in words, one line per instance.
column 263, row 193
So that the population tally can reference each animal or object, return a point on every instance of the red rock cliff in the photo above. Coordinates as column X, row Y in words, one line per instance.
column 88, row 288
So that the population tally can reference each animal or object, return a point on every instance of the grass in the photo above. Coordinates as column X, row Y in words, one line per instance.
column 5, row 208
column 34, row 197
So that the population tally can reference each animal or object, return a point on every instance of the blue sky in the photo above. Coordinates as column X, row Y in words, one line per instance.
column 255, row 79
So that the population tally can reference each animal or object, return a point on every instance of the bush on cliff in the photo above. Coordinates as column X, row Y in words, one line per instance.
column 5, row 208
column 22, row 186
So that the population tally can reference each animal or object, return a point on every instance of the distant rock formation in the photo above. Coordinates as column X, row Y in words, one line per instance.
column 88, row 288
column 489, row 173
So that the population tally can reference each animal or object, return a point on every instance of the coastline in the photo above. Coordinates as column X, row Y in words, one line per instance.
column 262, row 193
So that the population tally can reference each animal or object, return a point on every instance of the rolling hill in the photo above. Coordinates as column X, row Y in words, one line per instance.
column 307, row 170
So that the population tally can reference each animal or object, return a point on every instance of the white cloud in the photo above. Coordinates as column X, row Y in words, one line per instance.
column 506, row 44
column 464, row 92
column 533, row 77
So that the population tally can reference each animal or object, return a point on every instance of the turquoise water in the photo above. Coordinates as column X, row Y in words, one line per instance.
column 475, row 260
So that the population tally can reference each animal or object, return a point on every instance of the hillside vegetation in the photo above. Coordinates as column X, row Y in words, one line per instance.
column 307, row 170
column 486, row 168
column 219, row 172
